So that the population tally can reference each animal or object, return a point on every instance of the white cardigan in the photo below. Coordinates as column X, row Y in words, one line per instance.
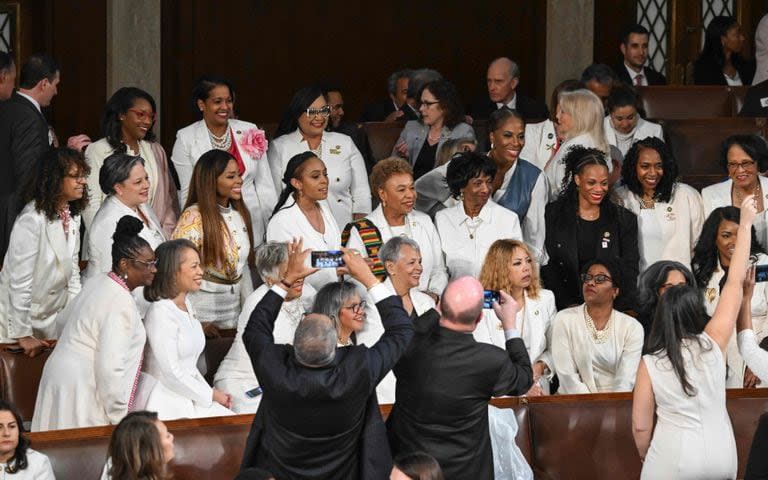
column 258, row 191
column 40, row 275
column 348, row 190
column 719, row 195
column 573, row 350
column 680, row 219
column 422, row 231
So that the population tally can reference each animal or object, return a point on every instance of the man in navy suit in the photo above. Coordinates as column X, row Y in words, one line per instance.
column 634, row 48
column 502, row 79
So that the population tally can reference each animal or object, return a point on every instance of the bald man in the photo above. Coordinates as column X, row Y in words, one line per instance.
column 445, row 380
column 503, row 78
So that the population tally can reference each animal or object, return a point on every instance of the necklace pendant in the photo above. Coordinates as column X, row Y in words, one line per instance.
column 471, row 236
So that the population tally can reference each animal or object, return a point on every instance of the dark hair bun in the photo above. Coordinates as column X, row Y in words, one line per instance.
column 128, row 226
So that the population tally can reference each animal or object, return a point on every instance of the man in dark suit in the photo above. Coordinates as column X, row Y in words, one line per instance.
column 391, row 109
column 7, row 75
column 503, row 78
column 756, row 101
column 319, row 417
column 445, row 380
column 634, row 48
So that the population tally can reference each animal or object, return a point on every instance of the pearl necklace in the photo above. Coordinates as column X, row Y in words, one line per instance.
column 223, row 142
column 599, row 336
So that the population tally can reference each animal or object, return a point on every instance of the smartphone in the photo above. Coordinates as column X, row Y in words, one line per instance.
column 761, row 273
column 254, row 393
column 327, row 259
column 490, row 296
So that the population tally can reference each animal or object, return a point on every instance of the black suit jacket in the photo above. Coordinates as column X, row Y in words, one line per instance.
column 321, row 422
column 529, row 108
column 377, row 112
column 618, row 241
column 23, row 139
column 444, row 382
column 653, row 77
column 707, row 72
column 753, row 106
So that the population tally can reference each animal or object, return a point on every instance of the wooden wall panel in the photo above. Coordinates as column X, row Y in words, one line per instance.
column 270, row 49
column 611, row 17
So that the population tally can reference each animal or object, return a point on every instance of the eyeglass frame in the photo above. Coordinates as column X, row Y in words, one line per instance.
column 357, row 308
column 428, row 103
column 323, row 112
column 147, row 264
column 745, row 165
column 588, row 277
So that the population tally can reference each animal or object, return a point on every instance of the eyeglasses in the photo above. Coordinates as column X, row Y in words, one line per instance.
column 746, row 165
column 147, row 264
column 356, row 308
column 427, row 104
column 599, row 278
column 319, row 112
column 141, row 115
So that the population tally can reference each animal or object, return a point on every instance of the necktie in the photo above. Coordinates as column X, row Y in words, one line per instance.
column 639, row 79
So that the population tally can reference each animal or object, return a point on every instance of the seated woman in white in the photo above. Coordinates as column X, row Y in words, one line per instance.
column 90, row 378
column 510, row 266
column 17, row 460
column 40, row 274
column 235, row 374
column 594, row 347
column 623, row 125
column 302, row 211
column 172, row 385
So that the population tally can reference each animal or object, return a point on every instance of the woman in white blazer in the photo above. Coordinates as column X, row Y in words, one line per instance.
column 91, row 377
column 712, row 258
column 214, row 97
column 442, row 118
column 41, row 271
column 171, row 384
column 17, row 460
column 468, row 229
column 623, row 124
column 235, row 374
column 596, row 348
column 510, row 266
column 392, row 181
column 302, row 211
column 669, row 213
column 127, row 127
column 302, row 129
column 743, row 157
column 125, row 182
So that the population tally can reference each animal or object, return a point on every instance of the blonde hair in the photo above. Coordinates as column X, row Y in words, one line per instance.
column 588, row 113
column 495, row 272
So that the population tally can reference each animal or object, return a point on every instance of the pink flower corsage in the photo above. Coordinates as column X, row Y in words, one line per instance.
column 254, row 142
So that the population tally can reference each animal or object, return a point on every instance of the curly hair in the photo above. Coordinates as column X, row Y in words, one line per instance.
column 446, row 93
column 44, row 185
column 466, row 166
column 384, row 169
column 118, row 105
column 705, row 253
column 666, row 185
column 495, row 272
column 576, row 159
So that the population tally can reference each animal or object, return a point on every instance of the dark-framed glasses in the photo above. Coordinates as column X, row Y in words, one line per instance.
column 319, row 112
column 598, row 279
column 745, row 165
column 357, row 307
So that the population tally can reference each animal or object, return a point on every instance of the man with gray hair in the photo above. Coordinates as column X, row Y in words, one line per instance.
column 319, row 417
column 394, row 108
column 445, row 380
column 503, row 78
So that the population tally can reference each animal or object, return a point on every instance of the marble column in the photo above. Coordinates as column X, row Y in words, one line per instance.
column 570, row 38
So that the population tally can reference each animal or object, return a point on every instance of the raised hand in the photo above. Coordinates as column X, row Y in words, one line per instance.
column 506, row 310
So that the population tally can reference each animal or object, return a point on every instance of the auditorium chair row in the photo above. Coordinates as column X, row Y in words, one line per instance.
column 563, row 437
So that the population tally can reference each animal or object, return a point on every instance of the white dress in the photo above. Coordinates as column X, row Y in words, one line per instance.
column 291, row 222
column 88, row 379
column 171, row 383
column 693, row 438
column 235, row 374
column 38, row 468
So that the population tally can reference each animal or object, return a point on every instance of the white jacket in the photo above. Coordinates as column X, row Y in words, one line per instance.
column 719, row 195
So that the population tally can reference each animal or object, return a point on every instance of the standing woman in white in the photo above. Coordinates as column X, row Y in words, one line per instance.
column 302, row 211
column 40, row 274
column 681, row 381
column 173, row 385
column 302, row 129
column 91, row 377
column 743, row 157
column 127, row 124
column 214, row 97
column 216, row 220
column 669, row 213
column 468, row 229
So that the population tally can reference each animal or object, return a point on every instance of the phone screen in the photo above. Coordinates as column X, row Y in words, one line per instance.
column 490, row 296
column 327, row 259
column 254, row 392
column 761, row 273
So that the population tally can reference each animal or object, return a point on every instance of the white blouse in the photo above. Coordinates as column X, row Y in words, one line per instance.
column 465, row 241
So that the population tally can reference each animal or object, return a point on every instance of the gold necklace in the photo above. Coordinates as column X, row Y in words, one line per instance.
column 599, row 336
column 649, row 203
column 739, row 197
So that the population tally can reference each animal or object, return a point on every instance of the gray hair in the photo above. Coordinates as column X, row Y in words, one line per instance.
column 268, row 258
column 314, row 342
column 390, row 252
column 451, row 147
column 392, row 79
column 169, row 257
column 599, row 72
column 116, row 169
column 419, row 78
column 514, row 68
column 330, row 299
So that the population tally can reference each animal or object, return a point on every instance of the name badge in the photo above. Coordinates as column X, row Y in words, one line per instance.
column 764, row 102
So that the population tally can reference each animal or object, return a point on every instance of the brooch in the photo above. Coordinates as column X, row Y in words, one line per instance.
column 710, row 294
column 336, row 151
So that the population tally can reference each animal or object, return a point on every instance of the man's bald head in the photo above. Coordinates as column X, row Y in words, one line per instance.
column 462, row 301
column 502, row 78
column 314, row 342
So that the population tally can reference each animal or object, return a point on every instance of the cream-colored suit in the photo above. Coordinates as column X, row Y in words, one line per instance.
column 40, row 274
